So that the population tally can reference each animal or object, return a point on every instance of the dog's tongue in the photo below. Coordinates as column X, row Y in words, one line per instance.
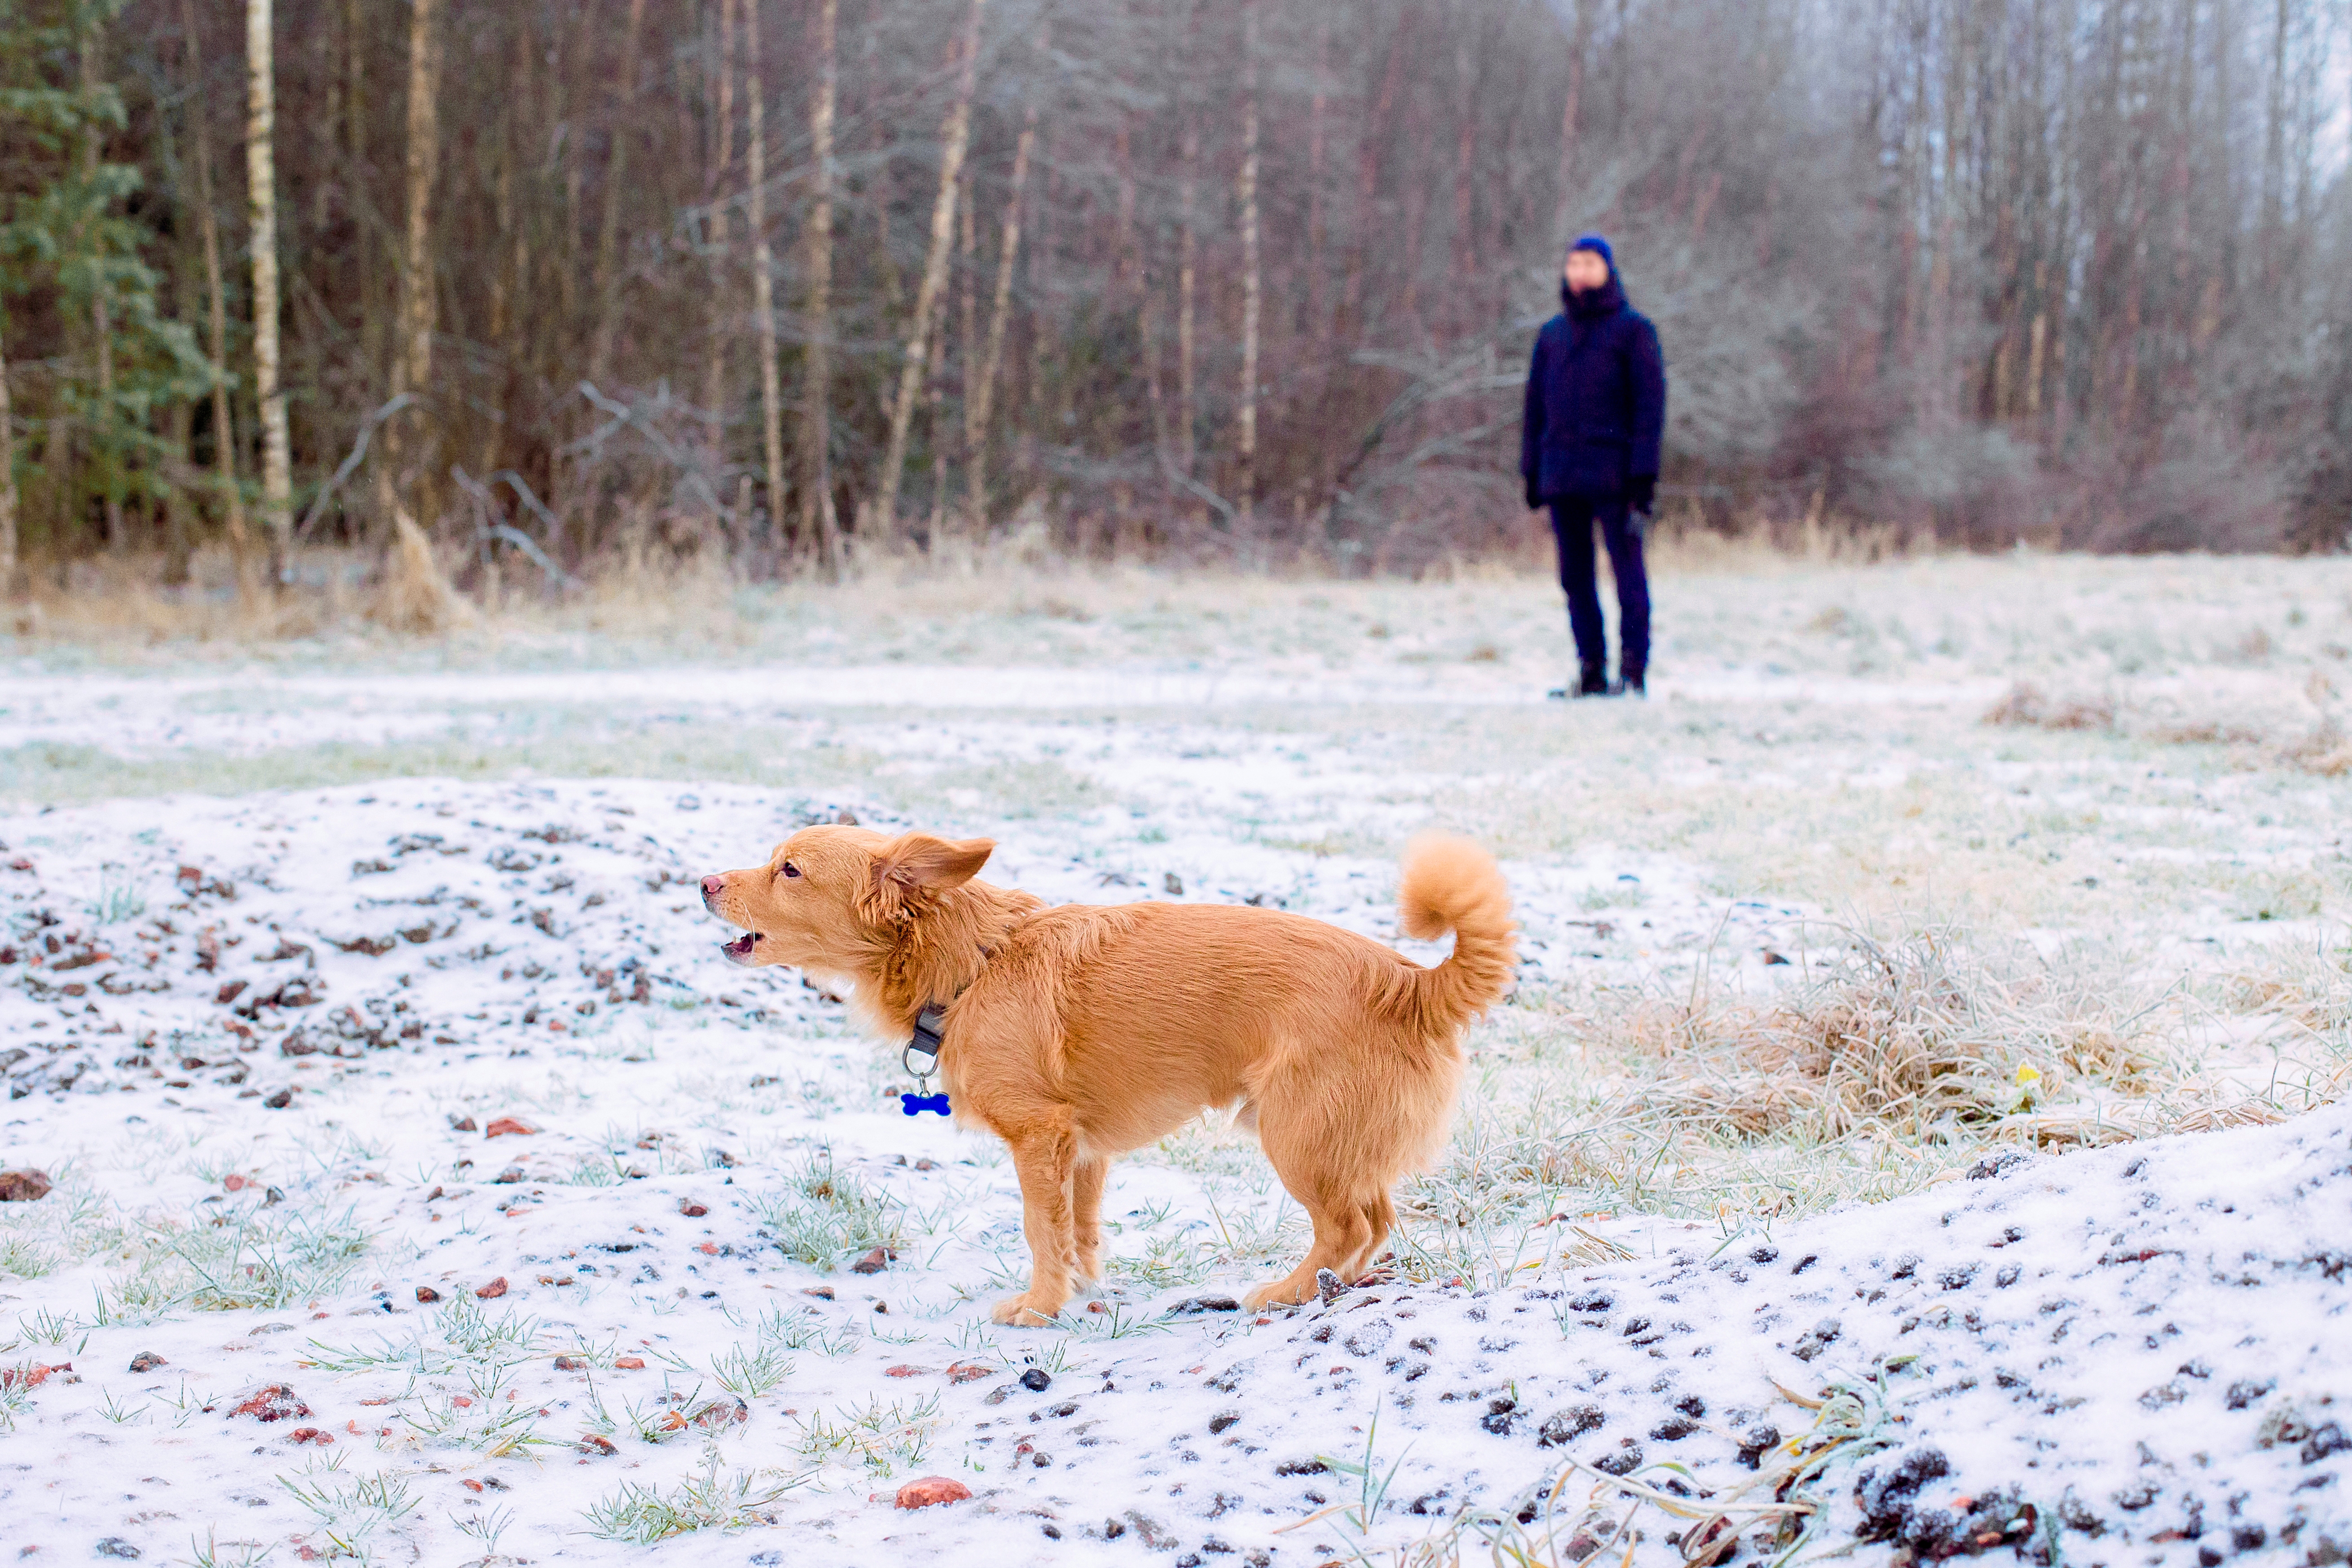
column 741, row 946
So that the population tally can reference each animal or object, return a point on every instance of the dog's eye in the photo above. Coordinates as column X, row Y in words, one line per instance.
column 791, row 870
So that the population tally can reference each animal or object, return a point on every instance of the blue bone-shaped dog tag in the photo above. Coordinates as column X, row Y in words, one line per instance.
column 916, row 1104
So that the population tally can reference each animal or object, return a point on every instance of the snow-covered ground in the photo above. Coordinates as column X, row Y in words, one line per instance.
column 288, row 945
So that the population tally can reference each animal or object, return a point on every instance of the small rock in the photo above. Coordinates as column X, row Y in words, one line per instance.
column 311, row 1435
column 1329, row 1285
column 147, row 1360
column 1036, row 1380
column 509, row 1126
column 1816, row 1339
column 280, row 1100
column 930, row 1490
column 692, row 1210
column 966, row 1372
column 272, row 1402
column 873, row 1262
column 1757, row 1442
column 427, row 1294
column 461, row 1123
column 1193, row 1305
column 1173, row 884
column 590, row 1443
column 569, row 1364
column 2327, row 1438
column 902, row 1370
column 494, row 1289
column 629, row 1363
column 115, row 1546
column 822, row 1292
column 1568, row 1425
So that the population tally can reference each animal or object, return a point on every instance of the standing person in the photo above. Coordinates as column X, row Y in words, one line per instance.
column 1596, row 411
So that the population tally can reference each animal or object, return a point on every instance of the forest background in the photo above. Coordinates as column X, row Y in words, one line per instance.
column 560, row 290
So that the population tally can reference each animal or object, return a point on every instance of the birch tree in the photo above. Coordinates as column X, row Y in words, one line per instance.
column 817, row 522
column 412, row 355
column 232, row 495
column 763, row 305
column 7, row 468
column 955, row 135
column 261, row 185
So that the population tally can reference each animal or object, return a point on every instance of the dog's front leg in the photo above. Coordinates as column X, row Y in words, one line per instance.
column 1086, row 1192
column 1043, row 1164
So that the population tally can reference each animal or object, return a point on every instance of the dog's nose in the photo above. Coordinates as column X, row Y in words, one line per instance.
column 712, row 886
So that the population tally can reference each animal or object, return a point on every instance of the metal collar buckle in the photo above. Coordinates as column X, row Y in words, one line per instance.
column 921, row 1057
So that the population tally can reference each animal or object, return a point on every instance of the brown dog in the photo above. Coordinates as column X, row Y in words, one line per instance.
column 1078, row 1034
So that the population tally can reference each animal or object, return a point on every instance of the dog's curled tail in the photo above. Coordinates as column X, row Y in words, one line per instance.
column 1452, row 884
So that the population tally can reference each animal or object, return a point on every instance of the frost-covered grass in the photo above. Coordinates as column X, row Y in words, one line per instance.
column 1901, row 868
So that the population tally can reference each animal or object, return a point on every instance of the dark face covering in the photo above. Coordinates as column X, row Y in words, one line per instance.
column 1593, row 303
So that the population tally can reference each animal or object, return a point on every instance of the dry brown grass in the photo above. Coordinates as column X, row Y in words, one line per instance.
column 2025, row 705
column 1920, row 1041
column 414, row 596
column 2324, row 751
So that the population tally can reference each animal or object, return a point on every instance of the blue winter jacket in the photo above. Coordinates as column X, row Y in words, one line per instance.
column 1596, row 405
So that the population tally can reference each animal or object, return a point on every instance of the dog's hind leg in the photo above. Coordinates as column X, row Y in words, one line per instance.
column 1087, row 1177
column 1044, row 1161
column 1379, row 1213
column 1340, row 1233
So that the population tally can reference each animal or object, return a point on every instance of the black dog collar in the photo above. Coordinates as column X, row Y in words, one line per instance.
column 922, row 1055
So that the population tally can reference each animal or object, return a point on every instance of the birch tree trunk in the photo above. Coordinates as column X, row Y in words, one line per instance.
column 216, row 307
column 1187, row 257
column 608, row 228
column 763, row 304
column 1570, row 113
column 955, row 134
column 817, row 522
column 261, row 183
column 1247, row 485
column 7, row 470
column 108, row 443
column 977, row 407
column 412, row 350
column 722, row 168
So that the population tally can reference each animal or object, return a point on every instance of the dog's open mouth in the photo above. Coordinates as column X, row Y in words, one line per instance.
column 739, row 950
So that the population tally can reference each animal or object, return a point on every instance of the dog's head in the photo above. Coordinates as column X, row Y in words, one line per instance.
column 832, row 899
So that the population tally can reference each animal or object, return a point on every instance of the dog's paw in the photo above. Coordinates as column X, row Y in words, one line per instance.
column 1280, row 1293
column 1021, row 1313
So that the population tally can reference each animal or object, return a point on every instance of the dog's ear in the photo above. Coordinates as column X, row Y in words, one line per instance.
column 914, row 866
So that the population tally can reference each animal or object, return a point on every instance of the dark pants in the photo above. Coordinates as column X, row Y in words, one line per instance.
column 1572, row 517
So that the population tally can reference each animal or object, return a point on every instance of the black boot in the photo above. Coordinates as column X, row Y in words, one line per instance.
column 1593, row 683
column 1629, row 683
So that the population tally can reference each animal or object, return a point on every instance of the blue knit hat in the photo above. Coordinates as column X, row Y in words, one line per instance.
column 1599, row 245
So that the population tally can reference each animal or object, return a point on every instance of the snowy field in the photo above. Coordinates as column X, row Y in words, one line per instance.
column 1917, row 1129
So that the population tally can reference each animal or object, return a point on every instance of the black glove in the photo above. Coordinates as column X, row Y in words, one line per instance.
column 1534, row 502
column 1642, row 493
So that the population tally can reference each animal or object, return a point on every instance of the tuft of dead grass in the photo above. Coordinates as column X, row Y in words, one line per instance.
column 1885, row 1066
column 1920, row 1041
column 416, row 596
column 2025, row 705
